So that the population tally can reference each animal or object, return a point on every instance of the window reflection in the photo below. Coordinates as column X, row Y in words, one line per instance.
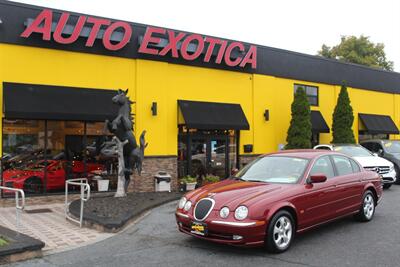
column 23, row 151
column 38, row 156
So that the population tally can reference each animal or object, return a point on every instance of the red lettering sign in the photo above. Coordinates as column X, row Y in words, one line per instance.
column 45, row 17
column 228, row 52
column 97, row 23
column 42, row 25
column 60, row 27
column 173, row 44
column 107, row 35
column 187, row 46
column 148, row 38
column 225, row 49
column 199, row 47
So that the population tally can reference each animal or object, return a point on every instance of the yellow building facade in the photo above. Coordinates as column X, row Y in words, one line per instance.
column 164, row 82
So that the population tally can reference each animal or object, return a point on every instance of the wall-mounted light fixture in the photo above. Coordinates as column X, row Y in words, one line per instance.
column 266, row 115
column 248, row 148
column 154, row 108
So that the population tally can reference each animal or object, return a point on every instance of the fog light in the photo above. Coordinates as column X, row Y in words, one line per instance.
column 237, row 237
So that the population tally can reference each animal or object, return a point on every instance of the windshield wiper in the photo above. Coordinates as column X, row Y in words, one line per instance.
column 253, row 181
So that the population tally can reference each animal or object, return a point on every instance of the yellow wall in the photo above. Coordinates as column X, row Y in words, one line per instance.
column 22, row 64
column 164, row 83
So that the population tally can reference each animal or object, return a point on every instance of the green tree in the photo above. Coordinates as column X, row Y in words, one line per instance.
column 343, row 119
column 299, row 132
column 359, row 50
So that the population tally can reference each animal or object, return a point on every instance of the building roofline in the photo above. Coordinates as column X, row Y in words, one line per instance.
column 276, row 62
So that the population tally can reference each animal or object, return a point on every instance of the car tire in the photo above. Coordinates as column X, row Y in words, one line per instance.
column 280, row 232
column 367, row 209
column 396, row 168
column 33, row 185
column 387, row 186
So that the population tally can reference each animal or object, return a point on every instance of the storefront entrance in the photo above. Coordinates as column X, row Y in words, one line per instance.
column 207, row 153
column 208, row 138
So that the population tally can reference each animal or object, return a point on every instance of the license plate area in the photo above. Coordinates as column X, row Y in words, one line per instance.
column 198, row 228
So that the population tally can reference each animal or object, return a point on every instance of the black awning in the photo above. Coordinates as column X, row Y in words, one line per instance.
column 318, row 123
column 378, row 124
column 31, row 101
column 213, row 116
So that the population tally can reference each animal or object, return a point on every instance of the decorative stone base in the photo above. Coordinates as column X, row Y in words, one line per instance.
column 151, row 166
column 246, row 159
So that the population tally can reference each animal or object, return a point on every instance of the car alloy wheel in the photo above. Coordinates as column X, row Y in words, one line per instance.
column 367, row 209
column 368, row 206
column 280, row 232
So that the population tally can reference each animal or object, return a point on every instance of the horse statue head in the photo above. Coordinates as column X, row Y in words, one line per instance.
column 121, row 98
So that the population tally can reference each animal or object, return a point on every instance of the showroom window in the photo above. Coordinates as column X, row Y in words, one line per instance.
column 39, row 155
column 311, row 92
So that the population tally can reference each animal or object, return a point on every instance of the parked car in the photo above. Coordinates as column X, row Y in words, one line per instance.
column 279, row 195
column 31, row 177
column 368, row 160
column 388, row 149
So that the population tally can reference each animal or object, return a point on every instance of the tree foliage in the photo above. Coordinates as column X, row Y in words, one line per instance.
column 299, row 132
column 343, row 119
column 359, row 50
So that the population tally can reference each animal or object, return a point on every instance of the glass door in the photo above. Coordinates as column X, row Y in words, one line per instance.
column 217, row 158
column 206, row 153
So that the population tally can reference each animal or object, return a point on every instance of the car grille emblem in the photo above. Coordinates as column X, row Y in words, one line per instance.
column 211, row 194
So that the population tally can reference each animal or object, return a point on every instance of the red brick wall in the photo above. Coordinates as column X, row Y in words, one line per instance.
column 151, row 166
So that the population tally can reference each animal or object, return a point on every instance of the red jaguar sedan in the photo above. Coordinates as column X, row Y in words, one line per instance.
column 279, row 195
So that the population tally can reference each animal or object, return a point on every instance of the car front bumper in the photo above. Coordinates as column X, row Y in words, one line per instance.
column 247, row 233
column 389, row 178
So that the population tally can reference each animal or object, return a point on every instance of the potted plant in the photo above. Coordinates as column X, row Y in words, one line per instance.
column 190, row 182
column 3, row 241
column 209, row 179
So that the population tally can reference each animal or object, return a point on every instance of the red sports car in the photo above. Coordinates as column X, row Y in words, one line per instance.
column 279, row 195
column 31, row 177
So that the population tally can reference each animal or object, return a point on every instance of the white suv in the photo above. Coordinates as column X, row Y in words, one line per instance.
column 368, row 160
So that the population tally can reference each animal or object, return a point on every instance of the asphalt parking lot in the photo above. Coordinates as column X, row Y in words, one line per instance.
column 155, row 241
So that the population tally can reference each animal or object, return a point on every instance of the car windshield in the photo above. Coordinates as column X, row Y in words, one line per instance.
column 392, row 146
column 274, row 169
column 353, row 151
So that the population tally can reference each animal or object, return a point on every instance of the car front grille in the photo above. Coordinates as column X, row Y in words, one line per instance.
column 378, row 169
column 203, row 208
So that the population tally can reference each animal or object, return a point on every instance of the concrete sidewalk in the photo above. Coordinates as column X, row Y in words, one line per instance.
column 51, row 227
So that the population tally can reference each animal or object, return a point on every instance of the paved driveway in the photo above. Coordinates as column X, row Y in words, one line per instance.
column 155, row 241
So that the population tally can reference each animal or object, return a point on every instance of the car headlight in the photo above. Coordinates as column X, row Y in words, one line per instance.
column 391, row 168
column 241, row 213
column 182, row 202
column 187, row 206
column 224, row 212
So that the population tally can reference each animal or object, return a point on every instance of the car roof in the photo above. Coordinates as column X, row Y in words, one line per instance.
column 379, row 140
column 339, row 144
column 303, row 153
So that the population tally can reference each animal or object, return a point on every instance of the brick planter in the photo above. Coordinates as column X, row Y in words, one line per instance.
column 151, row 166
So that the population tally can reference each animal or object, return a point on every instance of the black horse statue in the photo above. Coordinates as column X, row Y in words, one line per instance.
column 122, row 128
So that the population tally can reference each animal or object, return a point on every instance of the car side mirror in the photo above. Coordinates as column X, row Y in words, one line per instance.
column 380, row 152
column 317, row 178
column 375, row 154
